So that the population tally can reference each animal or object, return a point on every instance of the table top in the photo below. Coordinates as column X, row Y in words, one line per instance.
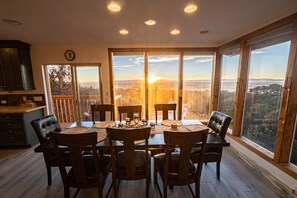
column 156, row 139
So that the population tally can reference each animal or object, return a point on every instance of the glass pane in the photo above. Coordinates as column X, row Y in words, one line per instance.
column 163, row 81
column 266, row 78
column 129, row 81
column 229, row 70
column 88, row 88
column 62, row 99
column 197, row 86
column 60, row 79
column 293, row 159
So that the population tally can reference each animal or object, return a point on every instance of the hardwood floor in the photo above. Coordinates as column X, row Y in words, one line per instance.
column 23, row 174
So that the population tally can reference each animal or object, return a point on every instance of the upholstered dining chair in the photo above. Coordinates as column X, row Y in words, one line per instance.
column 43, row 126
column 129, row 163
column 129, row 110
column 219, row 124
column 89, row 169
column 175, row 167
column 165, row 108
column 102, row 110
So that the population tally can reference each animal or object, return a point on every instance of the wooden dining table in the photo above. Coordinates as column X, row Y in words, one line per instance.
column 156, row 139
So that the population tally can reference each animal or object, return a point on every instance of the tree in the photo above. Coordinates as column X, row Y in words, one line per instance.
column 60, row 79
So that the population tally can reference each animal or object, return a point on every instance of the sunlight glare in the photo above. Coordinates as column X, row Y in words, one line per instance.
column 152, row 78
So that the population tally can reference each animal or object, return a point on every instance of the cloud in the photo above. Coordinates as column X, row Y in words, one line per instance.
column 160, row 59
column 137, row 61
column 257, row 52
column 123, row 66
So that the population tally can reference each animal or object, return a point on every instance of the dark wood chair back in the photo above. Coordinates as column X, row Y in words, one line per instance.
column 129, row 110
column 219, row 123
column 165, row 108
column 42, row 127
column 101, row 110
column 176, row 167
column 129, row 163
column 85, row 171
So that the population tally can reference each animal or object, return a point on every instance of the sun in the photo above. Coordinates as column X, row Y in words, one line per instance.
column 152, row 78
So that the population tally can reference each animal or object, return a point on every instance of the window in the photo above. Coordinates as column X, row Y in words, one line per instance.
column 129, row 85
column 267, row 68
column 229, row 70
column 162, row 70
column 293, row 158
column 162, row 80
column 197, row 75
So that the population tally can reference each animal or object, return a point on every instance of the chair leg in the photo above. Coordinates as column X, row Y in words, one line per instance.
column 197, row 189
column 155, row 172
column 49, row 175
column 164, row 189
column 66, row 192
column 218, row 170
column 192, row 193
column 115, row 189
column 147, row 186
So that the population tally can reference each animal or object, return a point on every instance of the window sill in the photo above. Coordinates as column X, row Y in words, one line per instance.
column 288, row 168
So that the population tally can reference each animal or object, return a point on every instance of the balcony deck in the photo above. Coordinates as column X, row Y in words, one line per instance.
column 23, row 174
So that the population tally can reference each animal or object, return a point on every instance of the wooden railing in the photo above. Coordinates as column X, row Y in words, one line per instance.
column 64, row 108
column 66, row 111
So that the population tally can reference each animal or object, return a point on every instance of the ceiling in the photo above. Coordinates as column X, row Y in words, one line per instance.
column 89, row 21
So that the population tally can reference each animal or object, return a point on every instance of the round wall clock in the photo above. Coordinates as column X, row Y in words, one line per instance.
column 69, row 55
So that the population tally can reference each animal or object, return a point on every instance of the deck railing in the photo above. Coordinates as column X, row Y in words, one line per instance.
column 66, row 110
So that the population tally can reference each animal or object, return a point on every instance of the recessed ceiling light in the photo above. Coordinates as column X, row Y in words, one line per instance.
column 124, row 31
column 12, row 22
column 204, row 32
column 190, row 8
column 150, row 22
column 114, row 6
column 175, row 32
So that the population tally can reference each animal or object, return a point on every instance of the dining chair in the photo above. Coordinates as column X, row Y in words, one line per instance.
column 102, row 110
column 129, row 163
column 165, row 108
column 42, row 127
column 129, row 110
column 89, row 170
column 175, row 166
column 219, row 124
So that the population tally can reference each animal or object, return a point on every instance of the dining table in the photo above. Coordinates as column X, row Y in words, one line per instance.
column 156, row 139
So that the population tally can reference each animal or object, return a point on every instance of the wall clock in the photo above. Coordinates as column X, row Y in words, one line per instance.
column 69, row 55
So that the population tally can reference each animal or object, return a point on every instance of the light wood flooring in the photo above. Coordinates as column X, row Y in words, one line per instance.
column 23, row 174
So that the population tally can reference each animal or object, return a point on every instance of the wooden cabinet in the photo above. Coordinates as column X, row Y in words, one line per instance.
column 15, row 66
column 16, row 130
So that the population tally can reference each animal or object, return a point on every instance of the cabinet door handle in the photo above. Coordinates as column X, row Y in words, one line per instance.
column 10, row 131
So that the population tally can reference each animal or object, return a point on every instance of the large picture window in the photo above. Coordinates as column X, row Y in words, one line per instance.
column 128, row 73
column 162, row 81
column 147, row 77
column 268, row 63
column 229, row 71
column 197, row 86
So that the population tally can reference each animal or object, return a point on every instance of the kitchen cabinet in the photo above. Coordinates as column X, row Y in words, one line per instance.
column 15, row 66
column 16, row 130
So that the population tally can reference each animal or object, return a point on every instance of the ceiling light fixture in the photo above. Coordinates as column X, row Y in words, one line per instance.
column 11, row 22
column 114, row 6
column 124, row 31
column 150, row 22
column 204, row 32
column 175, row 32
column 190, row 8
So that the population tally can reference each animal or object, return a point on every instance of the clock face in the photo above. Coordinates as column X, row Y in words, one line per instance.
column 69, row 55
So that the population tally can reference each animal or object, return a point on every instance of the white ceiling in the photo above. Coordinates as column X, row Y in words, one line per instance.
column 89, row 21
